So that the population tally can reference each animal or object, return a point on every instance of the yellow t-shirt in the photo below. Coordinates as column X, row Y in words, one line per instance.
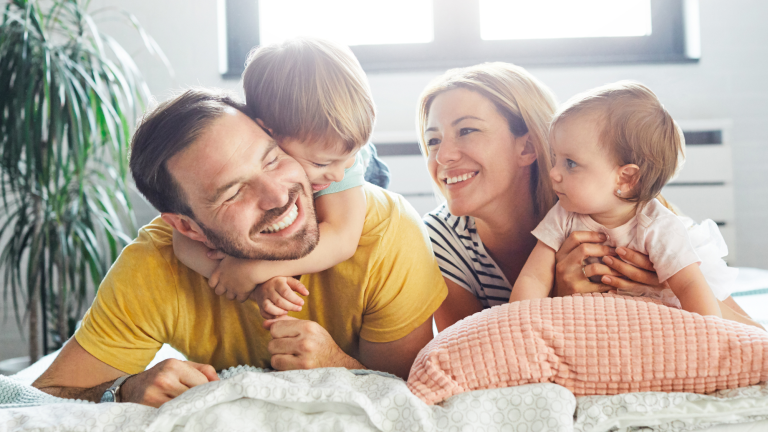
column 386, row 290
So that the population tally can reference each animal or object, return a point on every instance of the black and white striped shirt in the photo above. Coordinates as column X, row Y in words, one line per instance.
column 462, row 257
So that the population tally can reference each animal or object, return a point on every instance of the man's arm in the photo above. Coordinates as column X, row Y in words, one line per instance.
column 303, row 344
column 76, row 374
column 398, row 356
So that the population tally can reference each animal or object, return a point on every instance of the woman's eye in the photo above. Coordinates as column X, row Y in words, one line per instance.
column 570, row 164
column 465, row 131
column 433, row 142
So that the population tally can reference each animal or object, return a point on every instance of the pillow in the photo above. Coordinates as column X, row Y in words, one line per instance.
column 592, row 344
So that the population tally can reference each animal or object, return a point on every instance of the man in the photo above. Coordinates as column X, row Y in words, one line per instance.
column 371, row 311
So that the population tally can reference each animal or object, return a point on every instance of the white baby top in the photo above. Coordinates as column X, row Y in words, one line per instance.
column 654, row 231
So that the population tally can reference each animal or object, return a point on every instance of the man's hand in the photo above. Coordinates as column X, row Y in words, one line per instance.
column 303, row 344
column 571, row 275
column 165, row 381
column 276, row 297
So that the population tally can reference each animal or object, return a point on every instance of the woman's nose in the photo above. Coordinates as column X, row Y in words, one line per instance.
column 447, row 152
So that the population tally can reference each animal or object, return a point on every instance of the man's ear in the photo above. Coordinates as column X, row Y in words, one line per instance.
column 185, row 225
column 260, row 122
column 527, row 150
column 627, row 178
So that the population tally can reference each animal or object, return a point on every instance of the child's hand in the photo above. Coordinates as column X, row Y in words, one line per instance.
column 235, row 278
column 276, row 296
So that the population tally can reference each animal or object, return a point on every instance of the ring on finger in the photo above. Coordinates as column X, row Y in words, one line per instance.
column 584, row 270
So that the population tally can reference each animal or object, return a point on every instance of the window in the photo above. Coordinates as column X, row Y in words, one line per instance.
column 438, row 34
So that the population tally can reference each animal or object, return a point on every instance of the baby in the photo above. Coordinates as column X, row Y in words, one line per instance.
column 614, row 148
column 313, row 98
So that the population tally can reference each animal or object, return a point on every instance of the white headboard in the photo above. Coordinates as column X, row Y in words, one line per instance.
column 702, row 190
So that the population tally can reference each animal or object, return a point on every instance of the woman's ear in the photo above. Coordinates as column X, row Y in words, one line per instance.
column 628, row 175
column 527, row 149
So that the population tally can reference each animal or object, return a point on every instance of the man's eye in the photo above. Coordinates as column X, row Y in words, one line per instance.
column 570, row 164
column 272, row 161
column 233, row 196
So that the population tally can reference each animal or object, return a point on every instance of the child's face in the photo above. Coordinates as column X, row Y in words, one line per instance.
column 584, row 175
column 323, row 163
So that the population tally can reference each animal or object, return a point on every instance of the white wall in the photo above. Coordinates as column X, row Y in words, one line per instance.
column 730, row 82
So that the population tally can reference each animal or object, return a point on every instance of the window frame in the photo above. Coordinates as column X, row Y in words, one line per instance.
column 458, row 43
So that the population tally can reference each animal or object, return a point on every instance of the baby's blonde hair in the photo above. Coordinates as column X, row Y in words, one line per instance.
column 310, row 90
column 526, row 103
column 636, row 129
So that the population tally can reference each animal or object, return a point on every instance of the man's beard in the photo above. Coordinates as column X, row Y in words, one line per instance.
column 299, row 245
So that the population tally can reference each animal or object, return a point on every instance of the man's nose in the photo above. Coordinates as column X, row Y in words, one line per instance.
column 272, row 194
column 447, row 152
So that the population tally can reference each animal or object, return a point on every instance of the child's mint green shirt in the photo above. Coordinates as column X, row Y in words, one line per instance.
column 353, row 176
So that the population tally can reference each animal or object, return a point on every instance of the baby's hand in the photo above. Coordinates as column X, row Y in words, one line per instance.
column 233, row 277
column 276, row 296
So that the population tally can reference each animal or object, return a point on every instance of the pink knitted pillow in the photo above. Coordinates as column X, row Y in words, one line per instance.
column 594, row 344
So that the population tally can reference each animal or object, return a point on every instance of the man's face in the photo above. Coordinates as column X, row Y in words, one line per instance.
column 250, row 199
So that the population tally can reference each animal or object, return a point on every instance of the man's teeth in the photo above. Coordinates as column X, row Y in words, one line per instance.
column 285, row 222
column 461, row 178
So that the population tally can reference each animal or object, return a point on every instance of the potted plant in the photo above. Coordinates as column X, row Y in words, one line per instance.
column 69, row 98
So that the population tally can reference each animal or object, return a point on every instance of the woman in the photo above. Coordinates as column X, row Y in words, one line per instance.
column 483, row 130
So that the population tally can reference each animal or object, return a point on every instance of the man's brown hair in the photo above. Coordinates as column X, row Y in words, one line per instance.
column 636, row 129
column 311, row 90
column 167, row 130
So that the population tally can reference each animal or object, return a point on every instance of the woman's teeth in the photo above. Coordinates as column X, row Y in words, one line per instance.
column 461, row 178
column 287, row 221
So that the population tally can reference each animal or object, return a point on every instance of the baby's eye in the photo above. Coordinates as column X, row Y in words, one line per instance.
column 319, row 165
column 570, row 164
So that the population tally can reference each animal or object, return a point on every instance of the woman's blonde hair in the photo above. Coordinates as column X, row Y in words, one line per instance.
column 526, row 103
column 636, row 129
column 311, row 90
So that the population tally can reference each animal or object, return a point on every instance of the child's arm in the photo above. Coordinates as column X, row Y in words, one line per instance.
column 341, row 217
column 692, row 290
column 537, row 276
column 193, row 254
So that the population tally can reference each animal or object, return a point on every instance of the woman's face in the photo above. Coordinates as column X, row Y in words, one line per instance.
column 473, row 157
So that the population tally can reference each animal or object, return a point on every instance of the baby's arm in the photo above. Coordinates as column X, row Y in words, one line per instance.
column 538, row 275
column 193, row 254
column 694, row 293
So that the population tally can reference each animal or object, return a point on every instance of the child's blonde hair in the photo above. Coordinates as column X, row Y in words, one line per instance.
column 526, row 103
column 636, row 129
column 311, row 90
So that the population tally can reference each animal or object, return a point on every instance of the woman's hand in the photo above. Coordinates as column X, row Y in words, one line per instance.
column 571, row 274
column 634, row 270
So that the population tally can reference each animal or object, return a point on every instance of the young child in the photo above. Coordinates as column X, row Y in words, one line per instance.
column 614, row 148
column 313, row 98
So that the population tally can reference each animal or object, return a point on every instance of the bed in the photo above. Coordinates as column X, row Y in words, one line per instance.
column 337, row 399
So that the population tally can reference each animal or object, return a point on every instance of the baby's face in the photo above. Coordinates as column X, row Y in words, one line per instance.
column 323, row 163
column 584, row 175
